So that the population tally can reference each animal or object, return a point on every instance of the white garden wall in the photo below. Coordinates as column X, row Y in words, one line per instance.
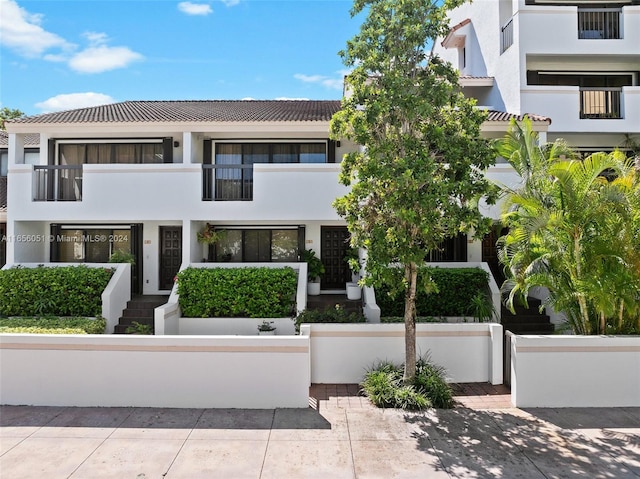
column 575, row 371
column 148, row 371
column 341, row 353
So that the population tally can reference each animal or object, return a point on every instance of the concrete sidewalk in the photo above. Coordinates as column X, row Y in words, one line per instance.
column 336, row 441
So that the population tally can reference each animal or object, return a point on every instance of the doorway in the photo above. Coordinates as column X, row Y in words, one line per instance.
column 334, row 246
column 170, row 255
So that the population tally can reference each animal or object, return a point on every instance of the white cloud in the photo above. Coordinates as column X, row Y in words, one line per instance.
column 101, row 58
column 74, row 100
column 21, row 31
column 331, row 83
column 195, row 8
column 291, row 99
column 230, row 3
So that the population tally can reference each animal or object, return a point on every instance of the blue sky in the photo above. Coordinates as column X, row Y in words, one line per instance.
column 58, row 55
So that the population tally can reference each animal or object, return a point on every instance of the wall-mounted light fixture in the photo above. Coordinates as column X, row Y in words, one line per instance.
column 176, row 144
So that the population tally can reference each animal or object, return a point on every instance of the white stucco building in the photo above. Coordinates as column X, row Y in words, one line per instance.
column 576, row 62
column 146, row 177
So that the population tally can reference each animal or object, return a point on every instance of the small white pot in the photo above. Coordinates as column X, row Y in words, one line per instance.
column 313, row 289
column 353, row 291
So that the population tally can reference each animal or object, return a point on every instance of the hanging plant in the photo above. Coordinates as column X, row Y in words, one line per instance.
column 209, row 235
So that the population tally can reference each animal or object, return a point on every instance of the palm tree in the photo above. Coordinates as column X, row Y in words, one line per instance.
column 573, row 230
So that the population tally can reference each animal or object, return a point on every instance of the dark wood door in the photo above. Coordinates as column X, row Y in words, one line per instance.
column 490, row 253
column 334, row 246
column 3, row 244
column 170, row 254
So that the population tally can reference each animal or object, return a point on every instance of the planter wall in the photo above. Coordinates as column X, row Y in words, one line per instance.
column 575, row 371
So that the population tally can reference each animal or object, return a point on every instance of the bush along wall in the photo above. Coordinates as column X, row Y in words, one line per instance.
column 53, row 325
column 237, row 292
column 457, row 288
column 62, row 291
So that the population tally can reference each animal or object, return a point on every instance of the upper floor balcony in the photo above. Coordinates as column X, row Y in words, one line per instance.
column 134, row 192
column 578, row 30
column 582, row 109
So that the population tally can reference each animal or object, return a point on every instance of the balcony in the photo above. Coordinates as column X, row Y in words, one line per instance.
column 3, row 192
column 600, row 103
column 576, row 31
column 57, row 183
column 599, row 23
column 586, row 110
column 227, row 182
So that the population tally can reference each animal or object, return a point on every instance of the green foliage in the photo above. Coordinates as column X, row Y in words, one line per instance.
column 329, row 315
column 482, row 307
column 457, row 288
column 53, row 325
column 60, row 291
column 8, row 114
column 420, row 175
column 237, row 292
column 574, row 228
column 122, row 257
column 384, row 386
column 315, row 268
column 139, row 328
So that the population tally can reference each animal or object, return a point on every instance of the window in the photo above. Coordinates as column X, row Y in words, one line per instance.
column 252, row 153
column 4, row 163
column 91, row 245
column 258, row 245
column 104, row 153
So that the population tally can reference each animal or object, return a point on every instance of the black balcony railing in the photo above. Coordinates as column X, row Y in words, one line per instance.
column 3, row 192
column 227, row 182
column 57, row 183
column 506, row 38
column 599, row 23
column 600, row 103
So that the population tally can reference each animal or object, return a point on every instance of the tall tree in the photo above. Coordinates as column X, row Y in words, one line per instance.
column 8, row 114
column 419, row 174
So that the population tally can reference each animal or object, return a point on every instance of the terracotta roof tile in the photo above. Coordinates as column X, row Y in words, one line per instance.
column 194, row 111
column 495, row 115
column 30, row 140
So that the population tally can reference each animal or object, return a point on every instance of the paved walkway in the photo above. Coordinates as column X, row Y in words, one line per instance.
column 340, row 436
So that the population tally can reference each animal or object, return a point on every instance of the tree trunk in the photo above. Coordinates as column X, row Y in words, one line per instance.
column 411, row 275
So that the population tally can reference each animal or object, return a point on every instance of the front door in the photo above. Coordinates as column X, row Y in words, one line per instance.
column 490, row 253
column 170, row 255
column 334, row 246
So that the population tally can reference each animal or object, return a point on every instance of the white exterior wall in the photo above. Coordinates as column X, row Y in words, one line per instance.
column 342, row 353
column 575, row 371
column 152, row 371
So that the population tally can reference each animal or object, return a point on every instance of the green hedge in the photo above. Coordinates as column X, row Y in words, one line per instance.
column 61, row 291
column 237, row 292
column 329, row 315
column 53, row 325
column 419, row 319
column 457, row 286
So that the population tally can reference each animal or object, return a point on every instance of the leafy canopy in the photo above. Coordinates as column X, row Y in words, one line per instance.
column 419, row 174
column 8, row 114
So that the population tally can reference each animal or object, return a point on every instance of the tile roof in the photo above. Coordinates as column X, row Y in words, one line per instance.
column 194, row 111
column 495, row 115
column 30, row 139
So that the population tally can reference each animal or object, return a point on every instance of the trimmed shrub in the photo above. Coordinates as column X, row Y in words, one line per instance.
column 419, row 319
column 62, row 291
column 384, row 387
column 329, row 315
column 53, row 325
column 457, row 287
column 237, row 292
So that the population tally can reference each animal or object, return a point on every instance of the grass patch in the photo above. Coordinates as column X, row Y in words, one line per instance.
column 53, row 325
column 384, row 386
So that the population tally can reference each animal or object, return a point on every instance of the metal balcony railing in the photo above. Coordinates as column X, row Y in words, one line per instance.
column 227, row 182
column 3, row 192
column 599, row 23
column 506, row 38
column 57, row 183
column 600, row 103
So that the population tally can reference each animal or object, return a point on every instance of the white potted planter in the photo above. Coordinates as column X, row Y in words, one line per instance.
column 313, row 288
column 353, row 291
column 266, row 328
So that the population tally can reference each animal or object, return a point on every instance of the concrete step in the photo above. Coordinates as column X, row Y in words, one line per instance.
column 138, row 313
column 530, row 328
